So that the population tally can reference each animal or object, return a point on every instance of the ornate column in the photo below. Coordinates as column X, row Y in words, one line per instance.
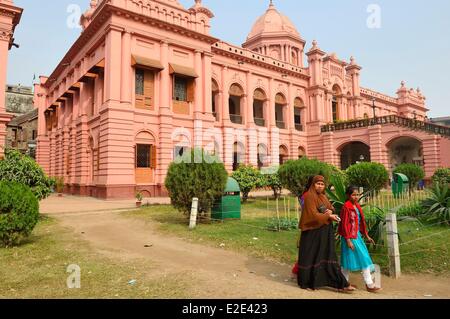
column 9, row 18
column 198, row 103
column 225, row 97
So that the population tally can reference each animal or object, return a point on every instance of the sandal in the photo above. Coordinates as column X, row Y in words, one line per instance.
column 373, row 290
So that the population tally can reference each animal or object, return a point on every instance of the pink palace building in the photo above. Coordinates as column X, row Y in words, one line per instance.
column 146, row 81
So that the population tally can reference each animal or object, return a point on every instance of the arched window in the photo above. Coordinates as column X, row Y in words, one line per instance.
column 259, row 98
column 284, row 154
column 280, row 105
column 263, row 159
column 215, row 96
column 298, row 110
column 335, row 103
column 238, row 155
column 234, row 103
column 301, row 152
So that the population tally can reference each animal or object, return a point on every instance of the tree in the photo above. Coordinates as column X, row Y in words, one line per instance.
column 369, row 175
column 273, row 181
column 19, row 212
column 294, row 174
column 248, row 179
column 414, row 173
column 23, row 169
column 196, row 174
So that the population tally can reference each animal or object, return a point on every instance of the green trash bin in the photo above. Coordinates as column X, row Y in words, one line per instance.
column 400, row 184
column 229, row 205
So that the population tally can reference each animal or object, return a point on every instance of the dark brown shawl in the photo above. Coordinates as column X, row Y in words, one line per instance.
column 311, row 217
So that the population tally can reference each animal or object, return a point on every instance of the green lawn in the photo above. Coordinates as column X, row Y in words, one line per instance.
column 37, row 269
column 248, row 235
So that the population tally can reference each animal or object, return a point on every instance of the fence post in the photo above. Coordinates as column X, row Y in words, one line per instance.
column 194, row 211
column 393, row 247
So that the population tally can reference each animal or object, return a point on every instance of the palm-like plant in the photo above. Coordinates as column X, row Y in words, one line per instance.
column 437, row 206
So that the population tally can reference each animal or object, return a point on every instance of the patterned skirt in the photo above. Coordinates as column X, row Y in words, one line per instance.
column 318, row 265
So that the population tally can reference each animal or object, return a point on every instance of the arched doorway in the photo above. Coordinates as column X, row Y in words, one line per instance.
column 354, row 152
column 284, row 154
column 238, row 155
column 405, row 150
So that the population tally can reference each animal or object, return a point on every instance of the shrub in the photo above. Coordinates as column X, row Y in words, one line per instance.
column 294, row 174
column 340, row 174
column 248, row 179
column 23, row 169
column 205, row 180
column 437, row 206
column 370, row 176
column 19, row 212
column 441, row 176
column 414, row 173
column 413, row 210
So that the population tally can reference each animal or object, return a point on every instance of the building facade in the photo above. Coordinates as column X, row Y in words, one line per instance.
column 19, row 99
column 9, row 18
column 146, row 81
column 22, row 133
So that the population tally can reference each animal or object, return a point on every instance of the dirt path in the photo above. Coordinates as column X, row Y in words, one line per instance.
column 219, row 273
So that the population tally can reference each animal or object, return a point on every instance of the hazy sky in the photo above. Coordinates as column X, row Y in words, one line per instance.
column 411, row 44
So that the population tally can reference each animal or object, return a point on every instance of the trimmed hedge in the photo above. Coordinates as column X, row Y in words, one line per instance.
column 369, row 175
column 196, row 174
column 19, row 212
column 294, row 174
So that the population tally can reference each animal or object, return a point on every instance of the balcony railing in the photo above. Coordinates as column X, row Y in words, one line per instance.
column 260, row 122
column 299, row 127
column 281, row 124
column 390, row 119
column 236, row 119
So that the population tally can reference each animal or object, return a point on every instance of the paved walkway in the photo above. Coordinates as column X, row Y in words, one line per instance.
column 79, row 204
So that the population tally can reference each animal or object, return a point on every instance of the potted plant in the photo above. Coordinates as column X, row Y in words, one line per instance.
column 139, row 199
column 59, row 183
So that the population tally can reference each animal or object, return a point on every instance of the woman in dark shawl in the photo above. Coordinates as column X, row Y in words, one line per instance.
column 318, row 265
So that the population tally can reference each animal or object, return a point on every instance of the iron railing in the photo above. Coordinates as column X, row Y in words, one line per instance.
column 236, row 119
column 389, row 119
column 281, row 124
column 299, row 127
column 260, row 122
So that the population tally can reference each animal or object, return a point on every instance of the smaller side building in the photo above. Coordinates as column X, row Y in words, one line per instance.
column 22, row 133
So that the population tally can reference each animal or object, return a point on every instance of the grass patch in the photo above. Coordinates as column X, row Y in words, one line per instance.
column 37, row 269
column 281, row 246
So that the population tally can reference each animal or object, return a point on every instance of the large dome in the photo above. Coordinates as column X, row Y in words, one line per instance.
column 273, row 22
